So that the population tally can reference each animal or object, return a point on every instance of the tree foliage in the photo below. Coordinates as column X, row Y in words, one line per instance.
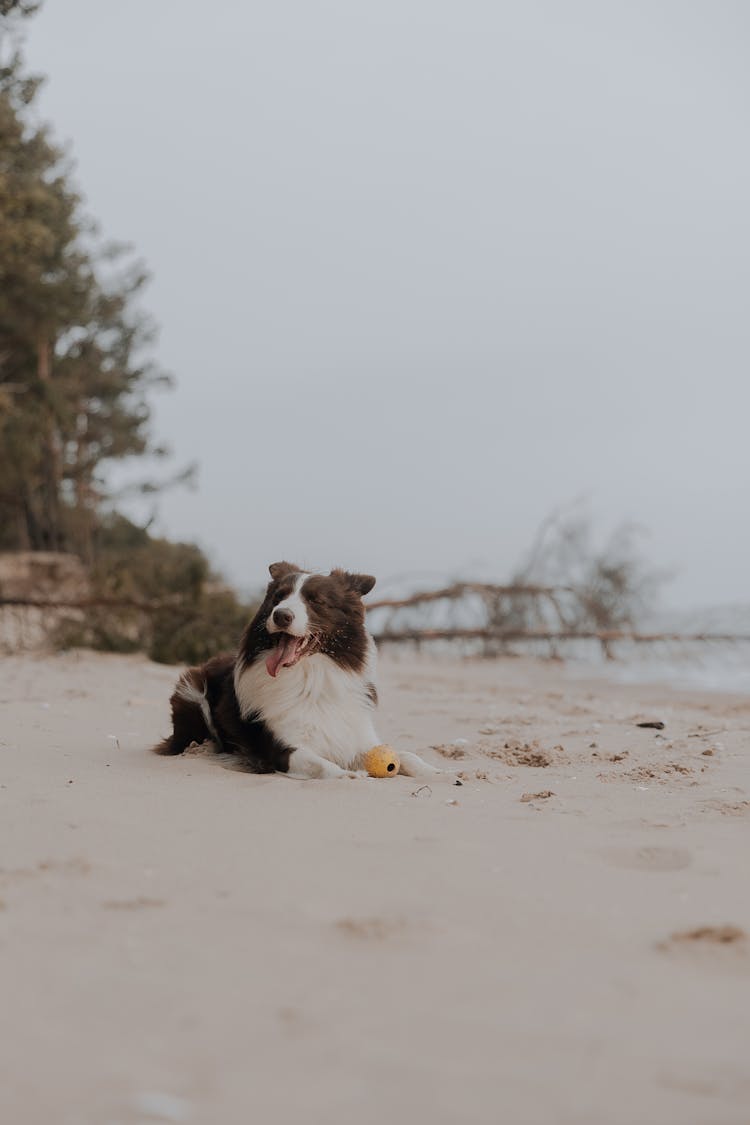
column 74, row 365
column 75, row 377
column 197, row 617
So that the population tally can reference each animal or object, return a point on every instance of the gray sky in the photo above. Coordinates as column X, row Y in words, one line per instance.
column 426, row 270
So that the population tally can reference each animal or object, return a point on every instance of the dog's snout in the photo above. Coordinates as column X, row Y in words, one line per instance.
column 283, row 618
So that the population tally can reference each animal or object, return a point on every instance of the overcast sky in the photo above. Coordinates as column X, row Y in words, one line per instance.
column 426, row 270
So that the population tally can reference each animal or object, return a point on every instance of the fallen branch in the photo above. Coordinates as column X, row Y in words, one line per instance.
column 459, row 589
column 603, row 635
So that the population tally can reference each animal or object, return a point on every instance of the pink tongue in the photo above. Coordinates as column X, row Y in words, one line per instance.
column 284, row 654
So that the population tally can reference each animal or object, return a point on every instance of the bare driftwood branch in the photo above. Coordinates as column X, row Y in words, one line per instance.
column 603, row 635
column 460, row 589
column 415, row 635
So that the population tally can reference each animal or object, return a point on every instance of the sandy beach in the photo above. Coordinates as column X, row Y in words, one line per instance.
column 562, row 938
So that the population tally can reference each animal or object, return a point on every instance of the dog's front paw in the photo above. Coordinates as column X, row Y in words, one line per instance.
column 414, row 766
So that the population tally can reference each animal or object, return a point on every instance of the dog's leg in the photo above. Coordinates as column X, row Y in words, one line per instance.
column 304, row 764
column 413, row 766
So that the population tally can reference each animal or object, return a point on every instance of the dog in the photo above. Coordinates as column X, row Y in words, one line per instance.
column 299, row 697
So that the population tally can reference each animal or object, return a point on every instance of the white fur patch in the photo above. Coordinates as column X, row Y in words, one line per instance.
column 191, row 694
column 315, row 706
column 295, row 604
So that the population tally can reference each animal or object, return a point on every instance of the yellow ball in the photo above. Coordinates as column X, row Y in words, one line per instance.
column 382, row 761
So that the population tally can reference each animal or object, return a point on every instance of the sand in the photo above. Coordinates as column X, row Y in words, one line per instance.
column 560, row 939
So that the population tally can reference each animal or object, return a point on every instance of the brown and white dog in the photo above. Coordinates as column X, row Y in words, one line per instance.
column 300, row 695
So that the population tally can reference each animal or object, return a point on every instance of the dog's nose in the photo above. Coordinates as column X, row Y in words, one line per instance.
column 283, row 618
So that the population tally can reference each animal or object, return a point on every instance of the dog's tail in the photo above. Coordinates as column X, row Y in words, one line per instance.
column 191, row 714
column 167, row 746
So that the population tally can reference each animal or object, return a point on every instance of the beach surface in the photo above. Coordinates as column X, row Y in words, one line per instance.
column 562, row 938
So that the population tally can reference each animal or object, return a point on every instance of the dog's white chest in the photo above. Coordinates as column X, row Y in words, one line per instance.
column 314, row 706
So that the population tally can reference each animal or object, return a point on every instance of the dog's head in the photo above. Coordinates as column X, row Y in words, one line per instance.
column 303, row 614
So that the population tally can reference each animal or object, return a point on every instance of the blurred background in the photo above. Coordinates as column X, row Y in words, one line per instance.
column 444, row 292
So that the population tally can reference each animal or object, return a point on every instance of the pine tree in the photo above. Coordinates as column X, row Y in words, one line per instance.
column 73, row 378
column 74, row 383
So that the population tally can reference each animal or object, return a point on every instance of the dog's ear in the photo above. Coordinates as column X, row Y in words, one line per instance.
column 281, row 569
column 360, row 583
